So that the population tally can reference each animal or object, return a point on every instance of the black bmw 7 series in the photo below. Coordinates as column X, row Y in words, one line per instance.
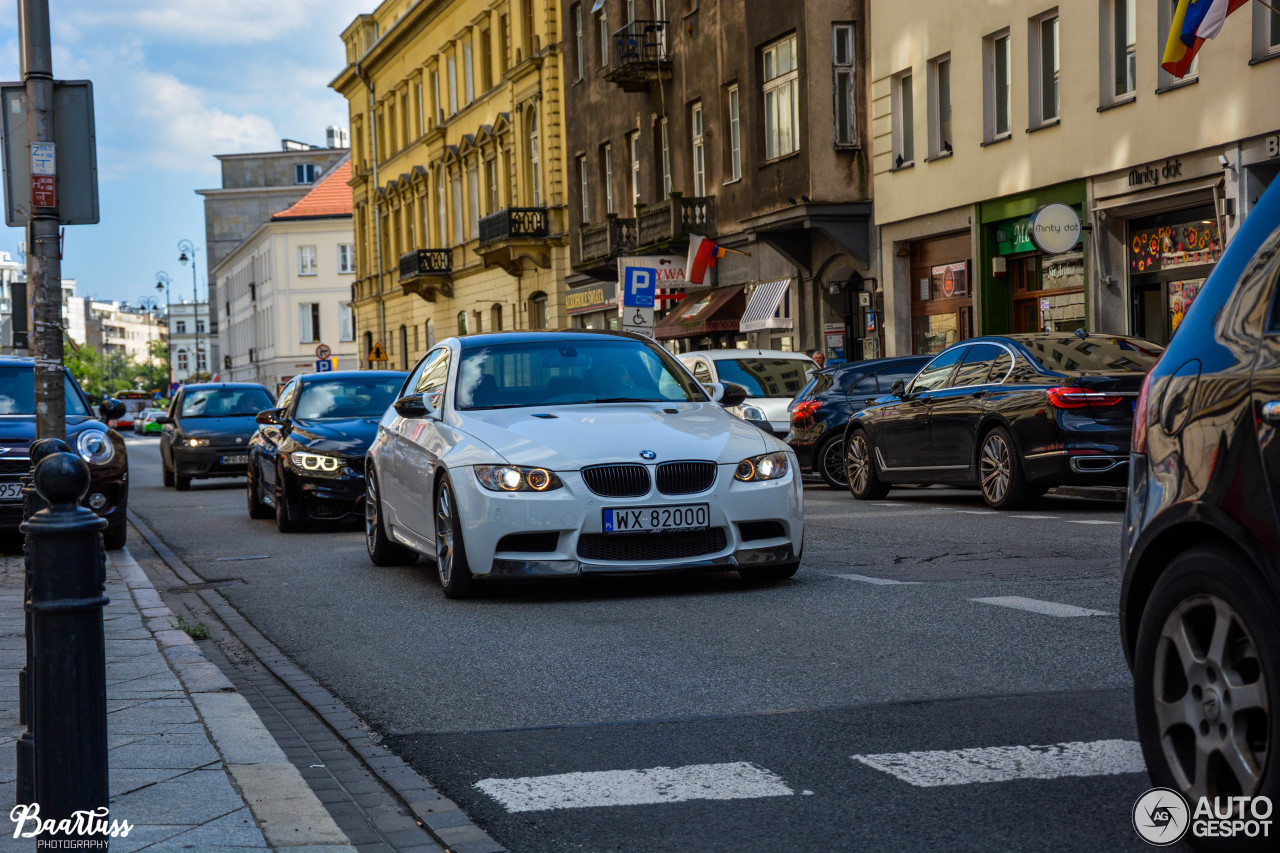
column 1013, row 415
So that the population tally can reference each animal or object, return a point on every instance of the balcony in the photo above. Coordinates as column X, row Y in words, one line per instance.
column 427, row 273
column 512, row 234
column 673, row 220
column 640, row 56
column 600, row 244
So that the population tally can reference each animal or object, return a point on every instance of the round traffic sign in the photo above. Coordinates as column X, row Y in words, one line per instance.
column 323, row 352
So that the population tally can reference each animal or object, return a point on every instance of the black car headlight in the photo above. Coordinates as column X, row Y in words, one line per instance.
column 95, row 447
column 769, row 466
column 195, row 442
column 513, row 478
column 316, row 461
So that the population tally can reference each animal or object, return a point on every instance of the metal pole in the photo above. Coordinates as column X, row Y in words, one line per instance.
column 188, row 250
column 44, row 265
column 162, row 281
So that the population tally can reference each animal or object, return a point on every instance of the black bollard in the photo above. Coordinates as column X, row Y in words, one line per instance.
column 25, row 788
column 69, row 679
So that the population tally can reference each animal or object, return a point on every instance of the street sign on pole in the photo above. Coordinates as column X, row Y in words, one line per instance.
column 325, row 365
column 378, row 353
column 44, row 174
column 639, row 290
column 323, row 351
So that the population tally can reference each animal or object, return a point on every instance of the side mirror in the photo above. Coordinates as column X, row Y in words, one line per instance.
column 111, row 410
column 270, row 417
column 164, row 419
column 727, row 394
column 411, row 406
column 899, row 389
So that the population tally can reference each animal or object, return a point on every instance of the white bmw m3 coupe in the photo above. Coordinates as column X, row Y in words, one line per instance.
column 527, row 454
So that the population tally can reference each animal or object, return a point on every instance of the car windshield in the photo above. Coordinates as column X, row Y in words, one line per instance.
column 340, row 399
column 590, row 370
column 18, row 392
column 767, row 377
column 1094, row 354
column 224, row 402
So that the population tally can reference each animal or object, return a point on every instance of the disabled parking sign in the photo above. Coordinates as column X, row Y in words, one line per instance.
column 639, row 292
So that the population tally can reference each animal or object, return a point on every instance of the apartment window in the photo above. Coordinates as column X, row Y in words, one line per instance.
column 473, row 196
column 699, row 151
column 462, row 323
column 180, row 327
column 459, row 227
column 603, row 19
column 940, row 106
column 309, row 322
column 842, row 52
column 346, row 258
column 404, row 119
column 1043, row 61
column 183, row 364
column 579, row 55
column 200, row 326
column 535, row 159
column 584, row 182
column 781, row 99
column 439, row 105
column 1119, row 51
column 735, row 135
column 451, row 65
column 1167, row 80
column 504, row 42
column 634, row 146
column 441, row 209
column 486, row 60
column 607, row 159
column 538, row 317
column 304, row 173
column 307, row 260
column 346, row 323
column 1266, row 31
column 202, row 361
column 495, row 317
column 422, row 116
column 468, row 71
column 491, row 182
column 997, row 59
column 664, row 132
column 904, row 135
column 392, row 132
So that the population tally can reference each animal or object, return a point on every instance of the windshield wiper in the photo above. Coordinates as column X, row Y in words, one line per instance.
column 628, row 400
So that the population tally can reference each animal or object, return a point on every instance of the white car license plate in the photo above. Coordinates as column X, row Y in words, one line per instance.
column 656, row 519
column 10, row 491
column 242, row 459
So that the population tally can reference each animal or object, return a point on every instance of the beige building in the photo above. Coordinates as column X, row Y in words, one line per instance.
column 287, row 288
column 457, row 133
column 985, row 112
column 116, row 327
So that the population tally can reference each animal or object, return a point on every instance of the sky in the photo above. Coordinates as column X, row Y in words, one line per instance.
column 174, row 83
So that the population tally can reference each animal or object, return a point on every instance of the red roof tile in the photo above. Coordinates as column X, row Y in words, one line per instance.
column 330, row 197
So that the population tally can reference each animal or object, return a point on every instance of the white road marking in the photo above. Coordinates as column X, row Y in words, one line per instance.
column 1036, row 517
column 877, row 581
column 1008, row 763
column 1035, row 605
column 734, row 781
column 1092, row 521
column 976, row 511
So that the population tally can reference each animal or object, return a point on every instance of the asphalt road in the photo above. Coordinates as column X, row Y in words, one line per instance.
column 728, row 717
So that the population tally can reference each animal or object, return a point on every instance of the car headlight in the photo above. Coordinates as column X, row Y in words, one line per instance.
column 95, row 447
column 513, row 478
column 315, row 461
column 196, row 442
column 770, row 466
column 753, row 413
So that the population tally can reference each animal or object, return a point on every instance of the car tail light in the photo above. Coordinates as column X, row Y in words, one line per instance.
column 803, row 412
column 1138, row 441
column 1079, row 398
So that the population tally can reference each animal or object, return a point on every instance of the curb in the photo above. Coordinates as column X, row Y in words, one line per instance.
column 440, row 816
column 287, row 812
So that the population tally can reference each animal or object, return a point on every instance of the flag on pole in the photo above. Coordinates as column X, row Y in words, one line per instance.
column 703, row 255
column 1193, row 22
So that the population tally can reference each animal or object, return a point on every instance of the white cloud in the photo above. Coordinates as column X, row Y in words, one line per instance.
column 211, row 22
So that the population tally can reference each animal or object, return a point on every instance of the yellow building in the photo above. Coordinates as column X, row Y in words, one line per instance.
column 457, row 146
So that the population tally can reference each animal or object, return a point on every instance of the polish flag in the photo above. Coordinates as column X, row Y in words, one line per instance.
column 703, row 255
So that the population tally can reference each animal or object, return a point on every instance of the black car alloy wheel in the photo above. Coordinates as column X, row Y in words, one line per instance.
column 253, row 493
column 451, row 555
column 382, row 551
column 860, row 469
column 830, row 463
column 1000, row 471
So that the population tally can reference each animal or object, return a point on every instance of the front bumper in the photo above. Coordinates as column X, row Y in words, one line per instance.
column 200, row 462
column 750, row 524
column 111, row 484
column 327, row 497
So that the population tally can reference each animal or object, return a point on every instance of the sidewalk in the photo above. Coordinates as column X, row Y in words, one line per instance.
column 191, row 765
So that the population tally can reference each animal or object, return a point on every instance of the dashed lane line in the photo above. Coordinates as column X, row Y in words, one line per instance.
column 1037, row 517
column 1035, row 605
column 1092, row 521
column 1010, row 763
column 733, row 781
column 975, row 511
column 878, row 581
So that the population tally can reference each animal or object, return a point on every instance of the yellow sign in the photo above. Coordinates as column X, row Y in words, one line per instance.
column 378, row 353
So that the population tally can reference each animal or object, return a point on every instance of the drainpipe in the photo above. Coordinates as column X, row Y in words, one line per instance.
column 377, row 220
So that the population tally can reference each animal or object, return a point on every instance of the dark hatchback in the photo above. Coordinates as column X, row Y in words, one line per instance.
column 822, row 409
column 1200, row 600
column 207, row 430
column 88, row 436
column 306, row 461
column 1013, row 416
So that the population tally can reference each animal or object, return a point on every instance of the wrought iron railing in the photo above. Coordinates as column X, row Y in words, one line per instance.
column 514, row 223
column 640, row 43
column 606, row 240
column 675, row 219
column 421, row 262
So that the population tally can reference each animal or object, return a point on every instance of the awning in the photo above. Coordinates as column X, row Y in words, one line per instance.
column 1202, row 185
column 769, row 308
column 703, row 313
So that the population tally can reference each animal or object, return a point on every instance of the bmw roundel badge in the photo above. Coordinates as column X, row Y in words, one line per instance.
column 648, row 454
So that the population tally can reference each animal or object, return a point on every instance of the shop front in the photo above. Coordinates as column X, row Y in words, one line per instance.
column 1024, row 289
column 705, row 320
column 593, row 306
column 941, row 293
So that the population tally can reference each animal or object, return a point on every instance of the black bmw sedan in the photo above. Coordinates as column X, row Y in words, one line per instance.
column 1200, row 600
column 87, row 435
column 1012, row 415
column 306, row 461
column 207, row 430
column 822, row 409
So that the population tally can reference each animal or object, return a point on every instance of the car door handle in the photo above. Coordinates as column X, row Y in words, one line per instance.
column 1271, row 412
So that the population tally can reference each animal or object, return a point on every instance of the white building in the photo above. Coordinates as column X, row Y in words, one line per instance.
column 14, row 338
column 187, row 323
column 117, row 327
column 288, row 288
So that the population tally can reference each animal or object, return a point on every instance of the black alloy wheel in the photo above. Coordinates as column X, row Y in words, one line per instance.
column 828, row 462
column 167, row 474
column 451, row 554
column 860, row 469
column 288, row 518
column 1000, row 476
column 382, row 551
column 253, row 493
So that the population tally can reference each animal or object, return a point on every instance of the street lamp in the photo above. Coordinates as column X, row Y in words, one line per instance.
column 151, row 306
column 162, row 283
column 188, row 250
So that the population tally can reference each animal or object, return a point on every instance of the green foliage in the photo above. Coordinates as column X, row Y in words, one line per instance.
column 196, row 632
column 104, row 374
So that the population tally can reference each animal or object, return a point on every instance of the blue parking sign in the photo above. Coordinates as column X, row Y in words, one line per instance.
column 324, row 365
column 639, row 287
